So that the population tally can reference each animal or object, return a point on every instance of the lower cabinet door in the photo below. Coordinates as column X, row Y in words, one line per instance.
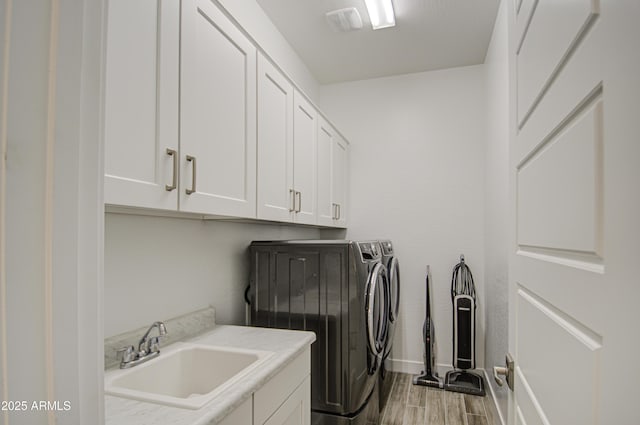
column 296, row 410
column 243, row 415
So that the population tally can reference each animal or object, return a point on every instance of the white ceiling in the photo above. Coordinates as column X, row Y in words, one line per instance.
column 429, row 35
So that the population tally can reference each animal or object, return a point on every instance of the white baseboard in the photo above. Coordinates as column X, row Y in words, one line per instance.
column 493, row 397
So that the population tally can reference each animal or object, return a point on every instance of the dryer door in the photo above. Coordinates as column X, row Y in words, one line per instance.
column 394, row 289
column 377, row 308
column 394, row 302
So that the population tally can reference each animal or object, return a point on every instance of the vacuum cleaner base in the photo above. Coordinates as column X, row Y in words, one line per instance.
column 427, row 380
column 461, row 381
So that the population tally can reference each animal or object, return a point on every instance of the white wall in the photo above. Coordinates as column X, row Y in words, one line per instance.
column 157, row 268
column 417, row 178
column 52, row 221
column 256, row 23
column 497, row 207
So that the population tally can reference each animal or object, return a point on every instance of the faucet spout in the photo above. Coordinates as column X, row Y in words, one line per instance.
column 143, row 345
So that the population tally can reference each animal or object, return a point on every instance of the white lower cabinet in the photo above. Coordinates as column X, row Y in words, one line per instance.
column 296, row 409
column 243, row 415
column 284, row 400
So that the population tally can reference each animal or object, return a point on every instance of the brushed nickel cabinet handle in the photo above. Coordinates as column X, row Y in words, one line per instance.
column 174, row 181
column 334, row 211
column 299, row 196
column 292, row 195
column 193, row 175
column 339, row 211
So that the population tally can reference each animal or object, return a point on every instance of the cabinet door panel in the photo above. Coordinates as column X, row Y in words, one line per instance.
column 332, row 176
column 141, row 103
column 340, row 180
column 275, row 143
column 242, row 415
column 218, row 113
column 304, row 159
column 296, row 410
column 326, row 139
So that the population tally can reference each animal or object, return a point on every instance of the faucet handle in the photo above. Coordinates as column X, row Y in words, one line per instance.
column 153, row 346
column 126, row 354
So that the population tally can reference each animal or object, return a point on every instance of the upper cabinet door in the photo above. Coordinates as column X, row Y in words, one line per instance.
column 141, row 103
column 275, row 144
column 305, row 124
column 218, row 114
column 340, row 180
column 333, row 156
column 326, row 207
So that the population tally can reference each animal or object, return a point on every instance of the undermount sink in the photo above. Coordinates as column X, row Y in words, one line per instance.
column 185, row 375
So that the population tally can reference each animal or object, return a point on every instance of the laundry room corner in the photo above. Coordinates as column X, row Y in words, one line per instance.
column 417, row 156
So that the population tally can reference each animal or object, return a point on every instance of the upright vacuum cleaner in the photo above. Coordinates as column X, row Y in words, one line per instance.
column 428, row 377
column 463, row 297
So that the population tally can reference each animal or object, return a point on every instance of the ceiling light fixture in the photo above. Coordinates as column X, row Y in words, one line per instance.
column 380, row 13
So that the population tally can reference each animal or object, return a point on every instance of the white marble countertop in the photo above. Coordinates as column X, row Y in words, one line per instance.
column 285, row 345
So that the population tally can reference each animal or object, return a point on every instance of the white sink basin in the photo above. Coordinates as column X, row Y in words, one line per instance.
column 185, row 375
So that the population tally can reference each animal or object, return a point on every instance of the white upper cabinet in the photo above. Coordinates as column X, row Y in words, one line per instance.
column 217, row 114
column 287, row 126
column 326, row 139
column 275, row 144
column 333, row 153
column 197, row 121
column 340, row 180
column 305, row 124
column 141, row 103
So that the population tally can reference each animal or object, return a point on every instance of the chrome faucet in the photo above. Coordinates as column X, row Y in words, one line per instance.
column 148, row 348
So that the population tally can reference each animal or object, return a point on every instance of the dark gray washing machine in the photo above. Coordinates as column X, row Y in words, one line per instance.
column 336, row 289
column 390, row 260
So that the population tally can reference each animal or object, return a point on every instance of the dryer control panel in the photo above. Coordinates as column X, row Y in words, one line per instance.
column 369, row 250
column 387, row 247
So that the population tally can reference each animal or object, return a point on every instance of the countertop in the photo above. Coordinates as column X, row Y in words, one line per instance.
column 285, row 345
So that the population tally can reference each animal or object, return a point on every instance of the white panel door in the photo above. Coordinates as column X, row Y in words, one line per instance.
column 574, row 212
column 141, row 103
column 305, row 124
column 340, row 180
column 326, row 140
column 217, row 115
column 275, row 143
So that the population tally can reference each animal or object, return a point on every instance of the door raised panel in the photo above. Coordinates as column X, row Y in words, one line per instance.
column 218, row 113
column 559, row 188
column 551, row 34
column 567, row 344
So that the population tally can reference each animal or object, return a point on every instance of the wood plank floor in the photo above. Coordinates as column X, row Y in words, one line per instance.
column 410, row 404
